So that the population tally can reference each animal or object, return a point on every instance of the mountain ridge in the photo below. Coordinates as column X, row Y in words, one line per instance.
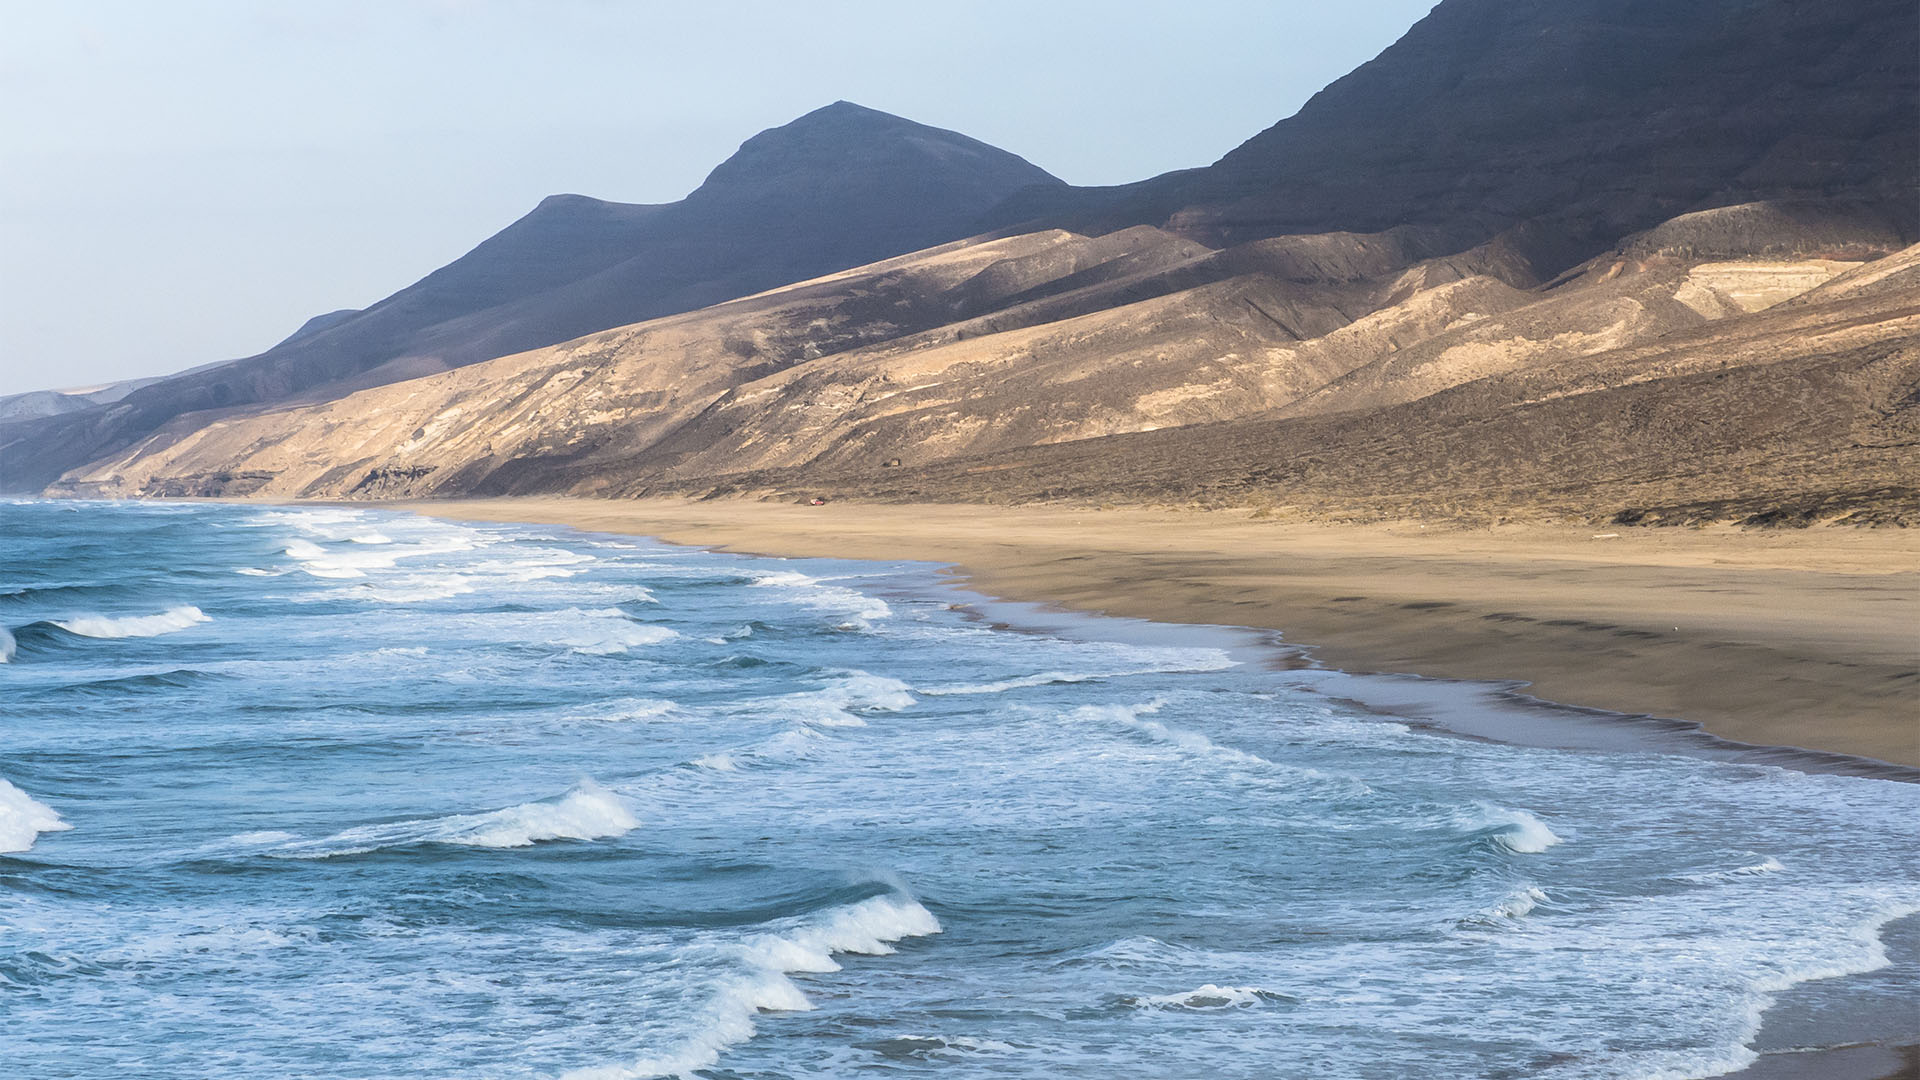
column 575, row 265
column 1519, row 216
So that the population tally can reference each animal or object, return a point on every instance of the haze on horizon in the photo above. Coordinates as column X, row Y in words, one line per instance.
column 182, row 184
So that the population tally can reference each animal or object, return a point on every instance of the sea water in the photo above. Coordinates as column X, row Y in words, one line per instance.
column 328, row 792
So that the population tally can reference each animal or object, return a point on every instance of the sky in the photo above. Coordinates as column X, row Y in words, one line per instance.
column 187, row 182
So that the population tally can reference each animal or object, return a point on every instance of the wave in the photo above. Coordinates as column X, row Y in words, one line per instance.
column 363, row 552
column 417, row 588
column 168, row 621
column 621, row 710
column 604, row 631
column 815, row 593
column 1199, row 660
column 1210, row 998
column 1134, row 716
column 868, row 928
column 1768, row 865
column 23, row 819
column 1863, row 950
column 8, row 646
column 1515, row 830
column 856, row 692
column 1515, row 905
column 933, row 1046
column 586, row 812
column 1045, row 678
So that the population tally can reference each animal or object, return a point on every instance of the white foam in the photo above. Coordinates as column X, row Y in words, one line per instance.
column 1045, row 678
column 1137, row 718
column 23, row 819
column 716, row 762
column 264, row 836
column 605, row 631
column 870, row 928
column 168, row 621
column 951, row 1044
column 1518, row 904
column 1769, row 865
column 417, row 588
column 1175, row 661
column 587, row 812
column 817, row 594
column 1209, row 998
column 622, row 710
column 856, row 691
column 8, row 646
column 356, row 559
column 1516, row 830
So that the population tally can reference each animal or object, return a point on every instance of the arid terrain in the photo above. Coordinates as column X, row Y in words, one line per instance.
column 1603, row 261
column 1756, row 363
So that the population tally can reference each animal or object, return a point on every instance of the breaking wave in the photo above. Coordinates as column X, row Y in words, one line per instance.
column 1515, row 830
column 838, row 704
column 100, row 626
column 1515, row 905
column 1768, row 865
column 587, row 812
column 860, row 608
column 1210, row 998
column 868, row 928
column 23, row 819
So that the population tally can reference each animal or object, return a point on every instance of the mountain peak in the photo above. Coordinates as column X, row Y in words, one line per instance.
column 845, row 156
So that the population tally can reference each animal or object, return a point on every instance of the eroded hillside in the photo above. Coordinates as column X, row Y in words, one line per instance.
column 1753, row 353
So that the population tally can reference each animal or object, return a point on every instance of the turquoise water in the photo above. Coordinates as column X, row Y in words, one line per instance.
column 345, row 793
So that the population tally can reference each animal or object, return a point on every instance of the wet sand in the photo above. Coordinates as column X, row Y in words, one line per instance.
column 1800, row 638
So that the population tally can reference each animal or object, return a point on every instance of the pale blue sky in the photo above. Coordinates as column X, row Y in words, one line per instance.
column 187, row 181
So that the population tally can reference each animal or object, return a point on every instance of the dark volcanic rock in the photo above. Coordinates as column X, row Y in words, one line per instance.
column 1592, row 118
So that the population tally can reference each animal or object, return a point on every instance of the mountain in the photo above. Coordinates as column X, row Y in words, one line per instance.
column 1725, row 365
column 1510, row 269
column 840, row 186
column 1567, row 124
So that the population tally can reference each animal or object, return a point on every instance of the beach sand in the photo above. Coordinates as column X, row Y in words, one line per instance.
column 1805, row 638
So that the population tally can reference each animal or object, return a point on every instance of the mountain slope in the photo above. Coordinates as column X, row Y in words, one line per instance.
column 838, row 187
column 1590, row 119
column 1336, row 373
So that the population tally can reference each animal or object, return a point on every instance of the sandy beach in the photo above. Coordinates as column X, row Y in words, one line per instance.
column 1806, row 638
column 1794, row 638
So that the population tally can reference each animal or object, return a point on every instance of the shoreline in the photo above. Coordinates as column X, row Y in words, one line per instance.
column 1765, row 644
column 1856, row 1027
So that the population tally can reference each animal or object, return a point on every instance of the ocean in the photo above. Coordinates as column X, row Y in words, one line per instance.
column 327, row 792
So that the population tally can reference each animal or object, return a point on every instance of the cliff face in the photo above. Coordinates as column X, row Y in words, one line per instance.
column 1590, row 119
column 841, row 186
